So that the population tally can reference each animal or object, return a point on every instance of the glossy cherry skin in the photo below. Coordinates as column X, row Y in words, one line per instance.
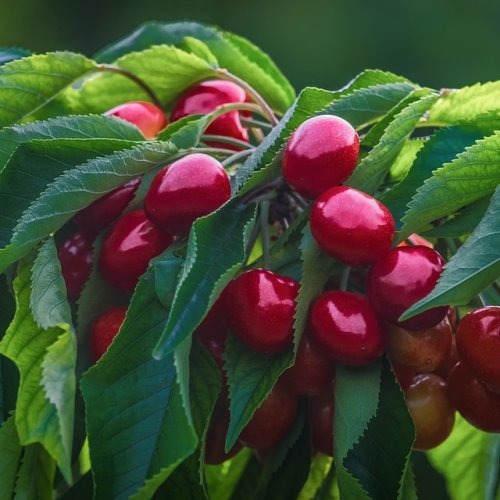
column 147, row 117
column 189, row 188
column 431, row 410
column 473, row 400
column 127, row 249
column 345, row 327
column 206, row 97
column 352, row 226
column 400, row 278
column 105, row 210
column 478, row 344
column 104, row 330
column 422, row 350
column 321, row 153
column 404, row 375
column 75, row 256
column 321, row 413
column 272, row 420
column 260, row 309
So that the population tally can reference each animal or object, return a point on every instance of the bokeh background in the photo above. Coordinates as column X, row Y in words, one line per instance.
column 440, row 43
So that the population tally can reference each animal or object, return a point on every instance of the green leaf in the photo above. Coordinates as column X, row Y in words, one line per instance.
column 8, row 54
column 10, row 455
column 371, row 171
column 167, row 70
column 405, row 159
column 463, row 104
column 137, row 426
column 200, row 49
column 320, row 466
column 29, row 83
column 35, row 476
column 216, row 251
column 469, row 461
column 475, row 265
column 472, row 175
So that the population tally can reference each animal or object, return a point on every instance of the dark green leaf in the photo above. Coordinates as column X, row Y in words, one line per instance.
column 35, row 476
column 83, row 489
column 430, row 484
column 186, row 132
column 8, row 54
column 245, row 488
column 10, row 455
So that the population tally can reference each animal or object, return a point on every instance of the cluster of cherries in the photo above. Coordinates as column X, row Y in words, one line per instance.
column 258, row 306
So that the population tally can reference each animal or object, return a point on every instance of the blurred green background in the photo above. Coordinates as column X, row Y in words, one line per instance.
column 441, row 43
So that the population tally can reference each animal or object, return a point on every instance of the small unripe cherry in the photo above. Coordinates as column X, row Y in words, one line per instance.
column 104, row 330
column 189, row 188
column 147, row 117
column 321, row 414
column 431, row 410
column 321, row 153
column 75, row 256
column 351, row 225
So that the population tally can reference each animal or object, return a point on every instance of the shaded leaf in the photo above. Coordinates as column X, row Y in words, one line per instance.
column 8, row 54
column 10, row 455
column 35, row 475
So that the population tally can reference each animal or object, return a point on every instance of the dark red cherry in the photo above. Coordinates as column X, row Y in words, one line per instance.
column 352, row 226
column 260, row 309
column 105, row 210
column 147, row 117
column 401, row 277
column 129, row 246
column 404, row 375
column 189, row 188
column 206, row 97
column 321, row 153
column 321, row 414
column 104, row 330
column 75, row 256
column 272, row 420
column 473, row 400
column 444, row 369
column 478, row 344
column 312, row 372
column 345, row 327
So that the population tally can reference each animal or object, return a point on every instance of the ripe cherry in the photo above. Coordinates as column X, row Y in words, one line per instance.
column 272, row 420
column 431, row 410
column 260, row 309
column 147, row 117
column 473, row 400
column 105, row 210
column 104, row 330
column 189, row 188
column 444, row 369
column 206, row 97
column 422, row 350
column 75, row 256
column 404, row 375
column 321, row 153
column 312, row 372
column 352, row 226
column 400, row 278
column 129, row 246
column 478, row 344
column 321, row 413
column 345, row 327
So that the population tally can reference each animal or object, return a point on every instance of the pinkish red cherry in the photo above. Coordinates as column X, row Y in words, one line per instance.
column 401, row 277
column 189, row 188
column 351, row 225
column 104, row 330
column 206, row 97
column 321, row 153
column 129, row 246
column 106, row 209
column 345, row 327
column 75, row 256
column 260, row 309
column 147, row 117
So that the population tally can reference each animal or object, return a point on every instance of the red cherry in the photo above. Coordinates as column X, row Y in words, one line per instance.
column 129, row 246
column 272, row 420
column 444, row 369
column 321, row 414
column 105, row 210
column 189, row 188
column 321, row 153
column 404, row 375
column 352, row 226
column 147, row 117
column 472, row 399
column 312, row 372
column 104, row 330
column 344, row 325
column 260, row 308
column 478, row 344
column 206, row 97
column 400, row 278
column 75, row 256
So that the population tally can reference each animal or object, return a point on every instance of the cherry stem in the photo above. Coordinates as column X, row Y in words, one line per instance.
column 110, row 68
column 251, row 123
column 236, row 106
column 264, row 227
column 254, row 193
column 300, row 202
column 258, row 134
column 226, row 140
column 236, row 157
column 344, row 278
column 211, row 151
column 254, row 95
